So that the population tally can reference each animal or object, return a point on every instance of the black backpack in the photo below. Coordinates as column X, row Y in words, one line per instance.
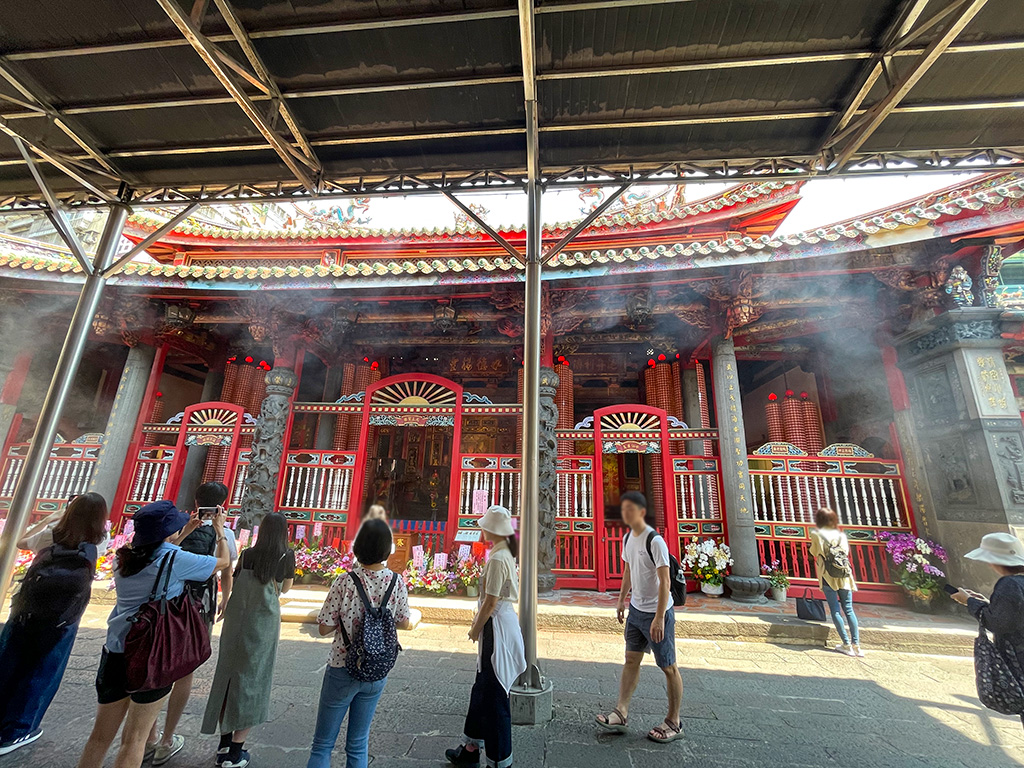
column 56, row 587
column 203, row 541
column 676, row 575
column 373, row 651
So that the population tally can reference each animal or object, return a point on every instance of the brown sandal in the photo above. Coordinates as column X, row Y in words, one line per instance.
column 666, row 732
column 608, row 725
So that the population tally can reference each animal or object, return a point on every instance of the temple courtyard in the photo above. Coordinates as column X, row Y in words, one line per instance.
column 745, row 705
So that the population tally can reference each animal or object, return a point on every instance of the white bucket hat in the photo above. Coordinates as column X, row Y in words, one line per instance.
column 999, row 549
column 497, row 520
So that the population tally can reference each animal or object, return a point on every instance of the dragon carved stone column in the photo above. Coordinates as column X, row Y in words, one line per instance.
column 548, row 485
column 267, row 447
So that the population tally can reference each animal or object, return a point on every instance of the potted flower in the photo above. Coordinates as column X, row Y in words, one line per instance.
column 778, row 580
column 468, row 572
column 916, row 563
column 708, row 561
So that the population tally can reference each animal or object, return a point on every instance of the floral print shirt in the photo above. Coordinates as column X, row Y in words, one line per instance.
column 344, row 608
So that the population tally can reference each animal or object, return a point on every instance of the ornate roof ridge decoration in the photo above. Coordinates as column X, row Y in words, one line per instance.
column 988, row 192
column 318, row 230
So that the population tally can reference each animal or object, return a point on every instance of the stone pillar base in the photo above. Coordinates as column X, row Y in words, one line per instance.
column 747, row 589
column 530, row 706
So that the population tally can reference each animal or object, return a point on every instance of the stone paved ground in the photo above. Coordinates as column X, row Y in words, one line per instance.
column 746, row 705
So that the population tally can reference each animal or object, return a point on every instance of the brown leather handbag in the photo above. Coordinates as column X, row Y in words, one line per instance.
column 167, row 639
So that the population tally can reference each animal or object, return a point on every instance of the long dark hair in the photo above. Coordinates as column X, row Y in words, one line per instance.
column 131, row 560
column 513, row 546
column 84, row 520
column 265, row 555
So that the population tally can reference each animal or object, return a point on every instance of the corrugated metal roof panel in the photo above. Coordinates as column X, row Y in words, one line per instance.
column 612, row 35
column 698, row 93
column 699, row 30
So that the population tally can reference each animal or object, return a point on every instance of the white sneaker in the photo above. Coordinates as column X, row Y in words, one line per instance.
column 164, row 753
column 25, row 740
column 844, row 649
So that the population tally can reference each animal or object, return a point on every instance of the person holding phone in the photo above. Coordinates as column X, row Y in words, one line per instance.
column 1002, row 613
column 200, row 538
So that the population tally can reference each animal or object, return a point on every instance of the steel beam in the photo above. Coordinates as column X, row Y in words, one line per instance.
column 68, row 126
column 858, row 132
column 904, row 21
column 209, row 55
column 349, row 89
column 55, row 213
column 493, row 233
column 56, row 396
column 167, row 226
column 529, row 515
column 714, row 169
column 659, row 122
column 242, row 38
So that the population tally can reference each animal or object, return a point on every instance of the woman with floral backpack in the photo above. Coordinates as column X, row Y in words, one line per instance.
column 344, row 615
column 831, row 552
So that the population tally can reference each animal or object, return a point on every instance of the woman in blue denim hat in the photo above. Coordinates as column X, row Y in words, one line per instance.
column 157, row 525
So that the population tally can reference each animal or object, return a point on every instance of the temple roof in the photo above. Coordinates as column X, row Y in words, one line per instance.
column 981, row 203
column 339, row 224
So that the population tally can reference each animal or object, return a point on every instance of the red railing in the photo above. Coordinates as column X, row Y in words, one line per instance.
column 868, row 494
column 575, row 551
column 316, row 486
column 149, row 477
column 67, row 473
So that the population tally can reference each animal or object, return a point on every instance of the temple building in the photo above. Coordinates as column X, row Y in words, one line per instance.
column 738, row 370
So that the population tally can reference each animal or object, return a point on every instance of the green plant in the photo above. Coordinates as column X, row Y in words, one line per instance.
column 778, row 577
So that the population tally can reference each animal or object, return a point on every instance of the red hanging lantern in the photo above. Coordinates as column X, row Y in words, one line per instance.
column 662, row 358
column 248, row 359
column 772, row 397
column 789, row 393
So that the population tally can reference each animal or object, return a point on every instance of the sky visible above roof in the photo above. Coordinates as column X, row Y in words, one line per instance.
column 823, row 202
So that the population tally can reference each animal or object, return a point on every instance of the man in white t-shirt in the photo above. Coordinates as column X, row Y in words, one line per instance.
column 650, row 623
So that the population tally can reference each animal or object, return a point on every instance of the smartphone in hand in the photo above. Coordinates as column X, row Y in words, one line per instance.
column 950, row 589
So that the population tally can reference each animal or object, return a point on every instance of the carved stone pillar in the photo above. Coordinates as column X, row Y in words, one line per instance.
column 267, row 447
column 968, row 430
column 548, row 480
column 124, row 414
column 745, row 582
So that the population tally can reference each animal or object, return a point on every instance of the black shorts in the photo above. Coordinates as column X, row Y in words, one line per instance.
column 112, row 682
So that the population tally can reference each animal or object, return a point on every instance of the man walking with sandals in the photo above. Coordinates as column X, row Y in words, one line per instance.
column 650, row 624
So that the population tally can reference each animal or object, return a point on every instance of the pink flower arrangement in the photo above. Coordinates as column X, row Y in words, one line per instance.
column 450, row 580
column 322, row 563
column 915, row 560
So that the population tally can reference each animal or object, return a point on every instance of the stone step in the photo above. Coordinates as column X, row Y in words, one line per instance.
column 302, row 605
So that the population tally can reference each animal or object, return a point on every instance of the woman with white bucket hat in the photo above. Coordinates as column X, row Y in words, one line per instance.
column 1002, row 614
column 501, row 658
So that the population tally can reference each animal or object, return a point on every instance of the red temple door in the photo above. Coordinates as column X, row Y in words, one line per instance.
column 631, row 452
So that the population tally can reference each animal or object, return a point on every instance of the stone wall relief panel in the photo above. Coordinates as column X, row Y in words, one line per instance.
column 937, row 396
column 1008, row 448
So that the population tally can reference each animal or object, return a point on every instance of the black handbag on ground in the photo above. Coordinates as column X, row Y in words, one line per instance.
column 810, row 608
column 998, row 674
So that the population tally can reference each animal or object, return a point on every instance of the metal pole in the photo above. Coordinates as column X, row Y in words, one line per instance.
column 530, row 512
column 60, row 386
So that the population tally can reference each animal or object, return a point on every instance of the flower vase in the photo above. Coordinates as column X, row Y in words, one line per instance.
column 779, row 594
column 471, row 590
column 716, row 590
column 922, row 603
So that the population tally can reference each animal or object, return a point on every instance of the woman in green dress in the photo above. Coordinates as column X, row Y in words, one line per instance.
column 240, row 697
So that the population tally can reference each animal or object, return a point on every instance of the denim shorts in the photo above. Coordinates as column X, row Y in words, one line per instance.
column 638, row 636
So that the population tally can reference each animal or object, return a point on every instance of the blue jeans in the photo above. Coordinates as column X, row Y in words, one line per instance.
column 341, row 694
column 32, row 663
column 840, row 603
